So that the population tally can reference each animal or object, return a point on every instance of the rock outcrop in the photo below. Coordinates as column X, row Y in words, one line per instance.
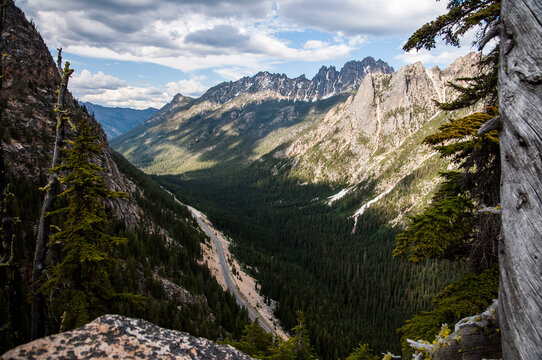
column 474, row 338
column 355, row 136
column 118, row 337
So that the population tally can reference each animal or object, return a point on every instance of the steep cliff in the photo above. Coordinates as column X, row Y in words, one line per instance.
column 163, row 239
column 373, row 125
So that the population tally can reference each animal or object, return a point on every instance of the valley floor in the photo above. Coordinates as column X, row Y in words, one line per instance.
column 244, row 283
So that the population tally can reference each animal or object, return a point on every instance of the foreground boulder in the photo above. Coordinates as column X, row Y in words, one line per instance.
column 118, row 337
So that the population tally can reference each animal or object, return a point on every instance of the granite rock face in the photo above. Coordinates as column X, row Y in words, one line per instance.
column 118, row 337
column 387, row 110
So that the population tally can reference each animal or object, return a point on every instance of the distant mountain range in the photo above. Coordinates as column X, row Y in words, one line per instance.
column 337, row 127
column 116, row 120
column 326, row 83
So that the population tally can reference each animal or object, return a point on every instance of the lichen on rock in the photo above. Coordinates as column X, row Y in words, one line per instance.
column 118, row 337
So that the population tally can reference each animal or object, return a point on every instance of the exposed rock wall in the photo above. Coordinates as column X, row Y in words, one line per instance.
column 27, row 100
column 386, row 110
column 118, row 337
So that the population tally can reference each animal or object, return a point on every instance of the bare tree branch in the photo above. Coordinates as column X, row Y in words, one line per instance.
column 491, row 124
column 38, row 302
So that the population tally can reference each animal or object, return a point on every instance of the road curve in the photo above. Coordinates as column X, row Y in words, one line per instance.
column 252, row 313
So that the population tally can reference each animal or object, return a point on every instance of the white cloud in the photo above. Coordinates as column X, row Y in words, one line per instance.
column 191, row 35
column 315, row 44
column 232, row 73
column 108, row 90
column 85, row 81
column 368, row 17
column 190, row 87
column 442, row 54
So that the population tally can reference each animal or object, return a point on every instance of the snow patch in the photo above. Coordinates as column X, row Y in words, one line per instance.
column 338, row 195
column 367, row 205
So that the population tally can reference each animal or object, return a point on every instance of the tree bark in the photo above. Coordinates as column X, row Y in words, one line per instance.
column 38, row 301
column 520, row 252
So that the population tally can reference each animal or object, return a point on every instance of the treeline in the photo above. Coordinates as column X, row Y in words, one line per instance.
column 306, row 257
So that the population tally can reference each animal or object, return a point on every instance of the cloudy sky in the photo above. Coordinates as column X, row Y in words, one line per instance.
column 140, row 53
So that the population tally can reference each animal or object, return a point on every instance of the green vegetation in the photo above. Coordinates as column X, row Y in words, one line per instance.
column 78, row 286
column 451, row 227
column 362, row 352
column 304, row 255
column 261, row 345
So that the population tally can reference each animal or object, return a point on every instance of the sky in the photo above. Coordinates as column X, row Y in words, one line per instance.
column 141, row 53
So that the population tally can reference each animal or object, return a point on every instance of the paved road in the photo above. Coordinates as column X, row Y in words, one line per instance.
column 252, row 313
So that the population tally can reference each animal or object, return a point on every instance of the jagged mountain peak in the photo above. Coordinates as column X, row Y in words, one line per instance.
column 327, row 82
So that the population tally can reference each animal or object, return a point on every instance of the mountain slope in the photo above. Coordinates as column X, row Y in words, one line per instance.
column 313, row 192
column 348, row 137
column 116, row 121
column 187, row 131
column 160, row 260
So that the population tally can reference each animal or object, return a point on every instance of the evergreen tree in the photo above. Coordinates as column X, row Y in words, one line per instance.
column 40, row 252
column 255, row 341
column 300, row 343
column 362, row 352
column 79, row 286
column 461, row 221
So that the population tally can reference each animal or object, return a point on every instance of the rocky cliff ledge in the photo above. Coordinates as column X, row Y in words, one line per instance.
column 118, row 337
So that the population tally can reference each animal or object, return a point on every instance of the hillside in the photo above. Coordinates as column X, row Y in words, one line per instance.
column 187, row 132
column 313, row 192
column 116, row 121
column 160, row 259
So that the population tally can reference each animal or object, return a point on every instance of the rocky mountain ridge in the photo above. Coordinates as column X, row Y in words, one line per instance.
column 327, row 82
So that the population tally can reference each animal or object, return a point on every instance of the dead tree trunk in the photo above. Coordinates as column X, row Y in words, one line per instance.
column 38, row 301
column 520, row 96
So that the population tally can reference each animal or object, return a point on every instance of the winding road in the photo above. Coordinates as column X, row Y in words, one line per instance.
column 252, row 313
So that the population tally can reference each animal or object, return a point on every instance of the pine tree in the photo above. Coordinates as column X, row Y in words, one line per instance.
column 300, row 343
column 362, row 352
column 40, row 253
column 79, row 286
column 255, row 342
column 462, row 220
